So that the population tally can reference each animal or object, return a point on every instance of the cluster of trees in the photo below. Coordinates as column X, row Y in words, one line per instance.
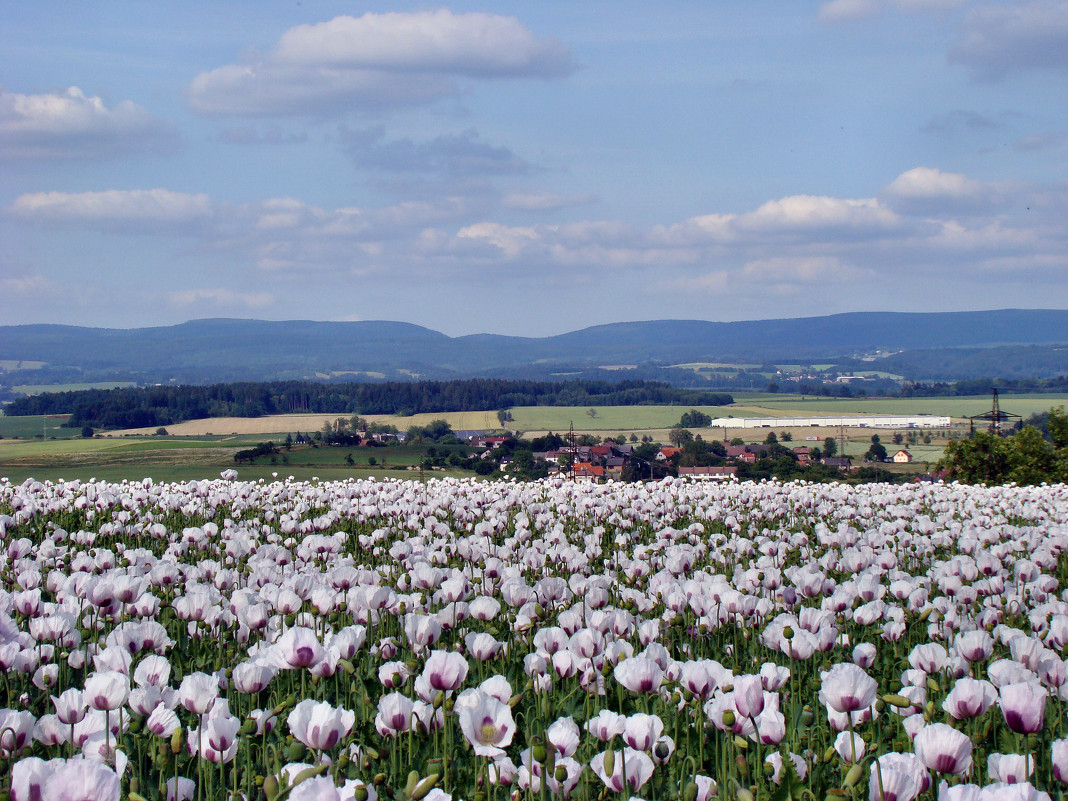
column 1026, row 457
column 150, row 407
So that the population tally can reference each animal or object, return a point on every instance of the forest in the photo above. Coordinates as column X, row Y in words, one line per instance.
column 145, row 407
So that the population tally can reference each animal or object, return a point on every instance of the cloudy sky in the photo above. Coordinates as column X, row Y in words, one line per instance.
column 530, row 168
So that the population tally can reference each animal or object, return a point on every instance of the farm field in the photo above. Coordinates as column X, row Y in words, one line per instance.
column 348, row 639
column 291, row 423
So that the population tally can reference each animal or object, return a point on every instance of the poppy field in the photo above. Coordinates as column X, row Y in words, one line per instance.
column 397, row 640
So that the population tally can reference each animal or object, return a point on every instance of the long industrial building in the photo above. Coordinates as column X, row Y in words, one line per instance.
column 853, row 421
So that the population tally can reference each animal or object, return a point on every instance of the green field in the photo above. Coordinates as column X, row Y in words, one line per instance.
column 1024, row 405
column 35, row 426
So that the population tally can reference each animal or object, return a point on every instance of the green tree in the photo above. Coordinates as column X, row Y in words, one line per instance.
column 877, row 451
column 1033, row 459
column 830, row 447
column 981, row 459
column 1057, row 425
column 680, row 436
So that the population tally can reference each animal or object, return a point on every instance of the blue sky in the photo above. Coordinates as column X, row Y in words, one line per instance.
column 530, row 168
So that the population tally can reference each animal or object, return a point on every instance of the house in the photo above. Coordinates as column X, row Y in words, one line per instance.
column 804, row 455
column 903, row 457
column 709, row 473
column 667, row 452
column 488, row 442
column 584, row 471
column 841, row 462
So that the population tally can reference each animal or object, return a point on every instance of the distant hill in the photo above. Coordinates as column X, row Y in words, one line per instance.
column 210, row 350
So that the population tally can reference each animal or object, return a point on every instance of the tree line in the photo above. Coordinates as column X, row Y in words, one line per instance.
column 149, row 407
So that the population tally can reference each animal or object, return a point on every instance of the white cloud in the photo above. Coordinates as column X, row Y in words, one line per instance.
column 799, row 217
column 475, row 45
column 377, row 61
column 841, row 10
column 71, row 125
column 151, row 207
column 543, row 201
column 802, row 270
column 221, row 297
column 25, row 285
column 845, row 10
column 1000, row 39
column 930, row 183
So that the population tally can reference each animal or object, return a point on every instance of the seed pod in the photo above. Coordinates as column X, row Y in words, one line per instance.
column 808, row 717
column 379, row 779
column 360, row 793
column 539, row 753
column 729, row 717
column 560, row 774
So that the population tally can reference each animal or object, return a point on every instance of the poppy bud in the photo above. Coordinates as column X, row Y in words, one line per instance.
column 424, row 786
column 689, row 792
column 379, row 779
column 854, row 775
column 900, row 701
column 609, row 763
column 295, row 752
column 413, row 779
column 933, row 685
column 742, row 765
column 828, row 755
column 247, row 728
column 176, row 741
column 439, row 699
column 270, row 788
